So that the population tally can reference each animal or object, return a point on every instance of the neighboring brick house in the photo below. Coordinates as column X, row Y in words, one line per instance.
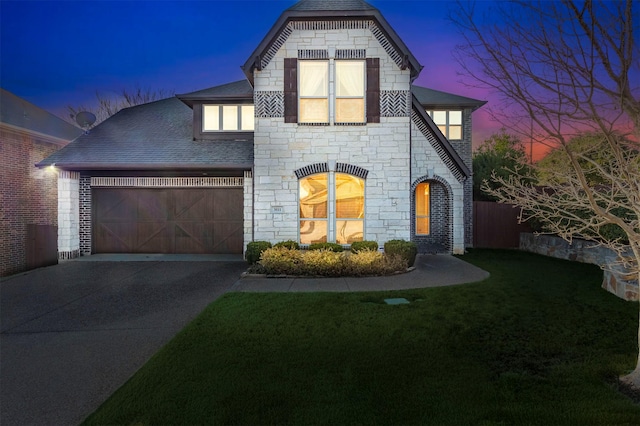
column 28, row 196
column 326, row 140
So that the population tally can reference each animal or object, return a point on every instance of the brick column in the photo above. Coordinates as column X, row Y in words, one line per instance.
column 248, row 209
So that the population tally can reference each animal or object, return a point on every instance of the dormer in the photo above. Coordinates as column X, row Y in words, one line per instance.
column 223, row 112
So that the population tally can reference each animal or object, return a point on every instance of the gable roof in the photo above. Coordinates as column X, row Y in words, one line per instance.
column 17, row 112
column 238, row 90
column 431, row 98
column 327, row 10
column 153, row 136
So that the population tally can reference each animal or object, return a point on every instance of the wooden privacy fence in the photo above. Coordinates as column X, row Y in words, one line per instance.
column 496, row 225
column 42, row 246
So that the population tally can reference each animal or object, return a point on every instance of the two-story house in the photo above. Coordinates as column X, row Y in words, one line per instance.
column 326, row 139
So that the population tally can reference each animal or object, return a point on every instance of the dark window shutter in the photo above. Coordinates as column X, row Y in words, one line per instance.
column 373, row 90
column 290, row 90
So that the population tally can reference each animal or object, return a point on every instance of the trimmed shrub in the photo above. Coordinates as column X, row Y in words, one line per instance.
column 407, row 249
column 325, row 263
column 255, row 249
column 290, row 244
column 372, row 262
column 336, row 248
column 357, row 246
column 281, row 260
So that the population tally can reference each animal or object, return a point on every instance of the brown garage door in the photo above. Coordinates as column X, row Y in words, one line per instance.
column 168, row 220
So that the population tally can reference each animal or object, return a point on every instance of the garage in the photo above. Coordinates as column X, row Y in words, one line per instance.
column 168, row 220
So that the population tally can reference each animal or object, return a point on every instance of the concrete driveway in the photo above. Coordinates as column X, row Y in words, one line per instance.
column 73, row 333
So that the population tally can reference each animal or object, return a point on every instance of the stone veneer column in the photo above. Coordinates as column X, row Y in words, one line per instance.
column 248, row 209
column 68, row 215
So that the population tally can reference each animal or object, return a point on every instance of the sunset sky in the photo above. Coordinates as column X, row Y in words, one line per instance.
column 59, row 53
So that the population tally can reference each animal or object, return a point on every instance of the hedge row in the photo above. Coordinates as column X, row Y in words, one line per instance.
column 327, row 263
column 328, row 259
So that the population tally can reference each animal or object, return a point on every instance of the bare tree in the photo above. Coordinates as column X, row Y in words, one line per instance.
column 563, row 68
column 106, row 105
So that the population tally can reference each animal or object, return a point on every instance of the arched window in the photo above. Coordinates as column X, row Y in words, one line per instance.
column 331, row 208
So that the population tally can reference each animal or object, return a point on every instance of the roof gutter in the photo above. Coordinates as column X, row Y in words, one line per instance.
column 145, row 166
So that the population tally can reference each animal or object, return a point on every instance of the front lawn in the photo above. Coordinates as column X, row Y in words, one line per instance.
column 537, row 343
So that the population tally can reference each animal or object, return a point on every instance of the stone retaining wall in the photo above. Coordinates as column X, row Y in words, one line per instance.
column 619, row 281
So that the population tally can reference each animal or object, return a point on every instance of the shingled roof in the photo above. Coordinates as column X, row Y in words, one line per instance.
column 238, row 90
column 317, row 5
column 19, row 113
column 436, row 99
column 152, row 136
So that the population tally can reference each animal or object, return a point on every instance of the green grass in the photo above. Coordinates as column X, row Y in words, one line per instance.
column 539, row 342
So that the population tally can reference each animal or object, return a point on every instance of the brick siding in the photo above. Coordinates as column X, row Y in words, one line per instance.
column 27, row 195
column 85, row 215
column 440, row 238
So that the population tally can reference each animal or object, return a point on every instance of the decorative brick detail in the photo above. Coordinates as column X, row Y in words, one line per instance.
column 351, row 53
column 387, row 45
column 311, row 170
column 276, row 45
column 437, row 146
column 440, row 238
column 313, row 54
column 352, row 170
column 269, row 104
column 86, row 222
column 281, row 39
column 331, row 25
column 395, row 103
column 28, row 195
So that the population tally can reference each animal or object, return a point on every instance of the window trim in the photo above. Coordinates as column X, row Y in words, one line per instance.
column 336, row 97
column 428, row 215
column 447, row 125
column 221, row 117
column 331, row 218
column 327, row 90
column 198, row 116
column 372, row 91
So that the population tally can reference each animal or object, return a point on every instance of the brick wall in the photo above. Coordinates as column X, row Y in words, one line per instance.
column 85, row 215
column 27, row 195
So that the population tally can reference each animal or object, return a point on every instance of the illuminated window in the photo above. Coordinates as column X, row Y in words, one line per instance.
column 314, row 92
column 422, row 209
column 216, row 118
column 449, row 123
column 346, row 200
column 350, row 91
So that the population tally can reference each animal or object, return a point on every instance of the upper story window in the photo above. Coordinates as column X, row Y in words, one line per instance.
column 220, row 118
column 350, row 92
column 449, row 123
column 324, row 91
column 314, row 92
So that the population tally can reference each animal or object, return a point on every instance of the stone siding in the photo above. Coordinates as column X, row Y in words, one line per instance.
column 28, row 195
column 380, row 148
column 617, row 279
column 68, row 214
